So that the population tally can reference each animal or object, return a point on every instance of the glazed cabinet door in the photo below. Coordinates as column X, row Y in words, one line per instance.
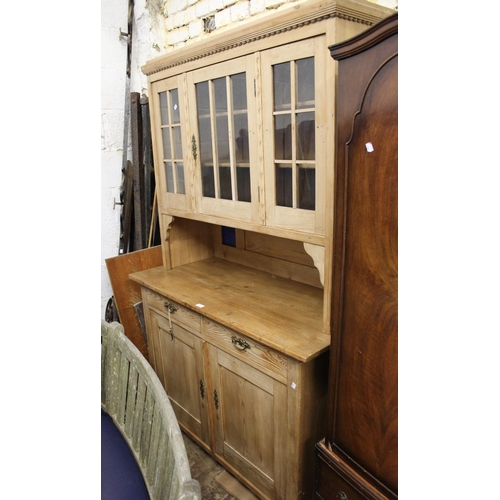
column 295, row 119
column 250, row 415
column 224, row 141
column 179, row 365
column 170, row 143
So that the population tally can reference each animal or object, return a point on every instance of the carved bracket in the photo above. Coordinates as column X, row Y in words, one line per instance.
column 317, row 253
column 168, row 220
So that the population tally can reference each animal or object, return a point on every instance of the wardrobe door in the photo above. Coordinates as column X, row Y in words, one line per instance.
column 363, row 425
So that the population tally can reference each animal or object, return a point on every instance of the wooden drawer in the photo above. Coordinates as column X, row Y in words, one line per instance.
column 264, row 358
column 335, row 480
column 330, row 486
column 181, row 315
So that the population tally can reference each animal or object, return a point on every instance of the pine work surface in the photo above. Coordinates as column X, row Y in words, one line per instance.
column 280, row 313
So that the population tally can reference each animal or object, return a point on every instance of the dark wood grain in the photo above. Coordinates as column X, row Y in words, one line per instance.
column 363, row 386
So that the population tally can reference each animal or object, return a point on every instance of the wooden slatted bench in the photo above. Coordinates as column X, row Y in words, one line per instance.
column 132, row 395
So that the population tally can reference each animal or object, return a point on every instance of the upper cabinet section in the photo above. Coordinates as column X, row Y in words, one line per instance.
column 243, row 124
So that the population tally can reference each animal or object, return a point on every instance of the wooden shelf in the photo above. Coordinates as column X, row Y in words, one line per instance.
column 282, row 314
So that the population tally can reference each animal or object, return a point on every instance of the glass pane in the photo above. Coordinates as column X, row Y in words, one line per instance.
column 163, row 108
column 282, row 92
column 284, row 194
column 208, row 181
column 241, row 131
column 222, row 139
column 174, row 95
column 305, row 136
column 167, row 152
column 220, row 92
column 240, row 117
column 225, row 183
column 205, row 146
column 305, row 83
column 202, row 99
column 307, row 187
column 243, row 182
column 283, row 137
column 177, row 142
column 169, row 175
column 206, row 155
column 180, row 178
column 239, row 84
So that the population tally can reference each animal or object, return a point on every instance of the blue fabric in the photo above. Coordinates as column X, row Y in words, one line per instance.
column 121, row 478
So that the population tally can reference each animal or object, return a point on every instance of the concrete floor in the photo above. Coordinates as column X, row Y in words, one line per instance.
column 205, row 469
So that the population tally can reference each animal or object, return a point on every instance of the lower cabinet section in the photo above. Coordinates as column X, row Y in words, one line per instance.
column 256, row 410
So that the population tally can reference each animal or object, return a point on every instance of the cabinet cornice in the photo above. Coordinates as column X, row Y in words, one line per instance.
column 297, row 16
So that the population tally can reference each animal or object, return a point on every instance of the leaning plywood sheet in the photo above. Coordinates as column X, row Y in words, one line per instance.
column 127, row 293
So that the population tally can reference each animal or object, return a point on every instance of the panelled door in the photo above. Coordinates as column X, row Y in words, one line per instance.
column 170, row 143
column 180, row 369
column 295, row 119
column 250, row 421
column 224, row 140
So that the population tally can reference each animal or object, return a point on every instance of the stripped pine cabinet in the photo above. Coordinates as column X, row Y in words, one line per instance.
column 242, row 124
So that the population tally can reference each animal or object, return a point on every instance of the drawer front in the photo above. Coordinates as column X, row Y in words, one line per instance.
column 264, row 358
column 181, row 314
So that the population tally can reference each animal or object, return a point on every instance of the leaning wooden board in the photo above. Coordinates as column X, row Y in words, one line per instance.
column 127, row 293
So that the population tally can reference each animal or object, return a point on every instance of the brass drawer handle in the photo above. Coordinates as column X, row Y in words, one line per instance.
column 169, row 307
column 239, row 343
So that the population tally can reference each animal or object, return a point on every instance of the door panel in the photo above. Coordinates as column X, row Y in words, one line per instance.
column 248, row 420
column 181, row 362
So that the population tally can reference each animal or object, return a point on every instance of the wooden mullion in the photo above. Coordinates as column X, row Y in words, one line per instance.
column 171, row 133
column 230, row 128
column 215, row 146
column 293, row 110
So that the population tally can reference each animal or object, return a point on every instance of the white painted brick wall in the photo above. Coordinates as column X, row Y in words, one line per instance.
column 113, row 64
